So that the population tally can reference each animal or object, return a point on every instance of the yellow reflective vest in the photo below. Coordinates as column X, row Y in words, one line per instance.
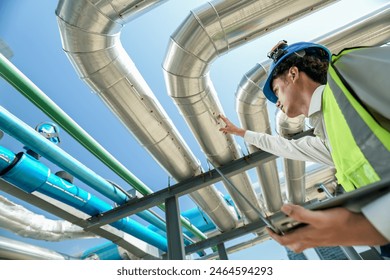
column 360, row 146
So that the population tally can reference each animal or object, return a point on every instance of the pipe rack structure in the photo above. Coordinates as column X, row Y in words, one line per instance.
column 90, row 32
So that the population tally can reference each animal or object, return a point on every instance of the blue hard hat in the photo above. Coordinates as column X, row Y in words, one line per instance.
column 281, row 51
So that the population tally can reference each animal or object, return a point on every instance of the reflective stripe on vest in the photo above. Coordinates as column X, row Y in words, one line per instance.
column 356, row 139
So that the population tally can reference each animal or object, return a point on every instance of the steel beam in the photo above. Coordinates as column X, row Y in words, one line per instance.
column 226, row 236
column 174, row 232
column 185, row 187
column 222, row 251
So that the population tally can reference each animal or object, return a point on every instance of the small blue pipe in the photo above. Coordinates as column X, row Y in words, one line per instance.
column 197, row 218
column 29, row 137
column 31, row 175
column 106, row 251
column 6, row 158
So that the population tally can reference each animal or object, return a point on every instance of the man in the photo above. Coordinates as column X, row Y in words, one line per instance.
column 348, row 136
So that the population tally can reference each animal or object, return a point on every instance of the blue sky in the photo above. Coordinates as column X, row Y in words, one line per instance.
column 30, row 29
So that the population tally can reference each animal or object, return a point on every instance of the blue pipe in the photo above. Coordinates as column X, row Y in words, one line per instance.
column 106, row 251
column 197, row 218
column 6, row 159
column 29, row 137
column 31, row 175
column 200, row 219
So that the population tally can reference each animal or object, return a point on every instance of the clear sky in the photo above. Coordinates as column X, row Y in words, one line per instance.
column 31, row 31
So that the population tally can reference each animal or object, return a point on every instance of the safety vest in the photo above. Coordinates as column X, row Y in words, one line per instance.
column 360, row 146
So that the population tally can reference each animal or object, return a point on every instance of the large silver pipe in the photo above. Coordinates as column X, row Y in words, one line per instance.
column 294, row 170
column 251, row 107
column 90, row 32
column 253, row 115
column 209, row 31
column 371, row 29
column 16, row 250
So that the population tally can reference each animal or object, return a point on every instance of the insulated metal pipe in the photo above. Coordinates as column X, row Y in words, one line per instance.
column 252, row 112
column 16, row 250
column 90, row 33
column 372, row 29
column 21, row 221
column 294, row 170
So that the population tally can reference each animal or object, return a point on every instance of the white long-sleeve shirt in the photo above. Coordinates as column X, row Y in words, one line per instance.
column 307, row 148
column 317, row 149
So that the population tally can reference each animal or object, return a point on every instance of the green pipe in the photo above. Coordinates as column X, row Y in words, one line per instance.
column 26, row 87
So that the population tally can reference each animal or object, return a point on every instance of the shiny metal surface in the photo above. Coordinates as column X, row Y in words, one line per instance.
column 252, row 112
column 209, row 31
column 370, row 30
column 90, row 32
column 15, row 250
column 294, row 169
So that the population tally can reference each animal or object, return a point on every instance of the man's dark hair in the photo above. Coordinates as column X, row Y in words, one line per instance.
column 315, row 67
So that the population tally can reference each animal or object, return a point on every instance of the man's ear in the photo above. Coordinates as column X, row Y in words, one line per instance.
column 293, row 73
